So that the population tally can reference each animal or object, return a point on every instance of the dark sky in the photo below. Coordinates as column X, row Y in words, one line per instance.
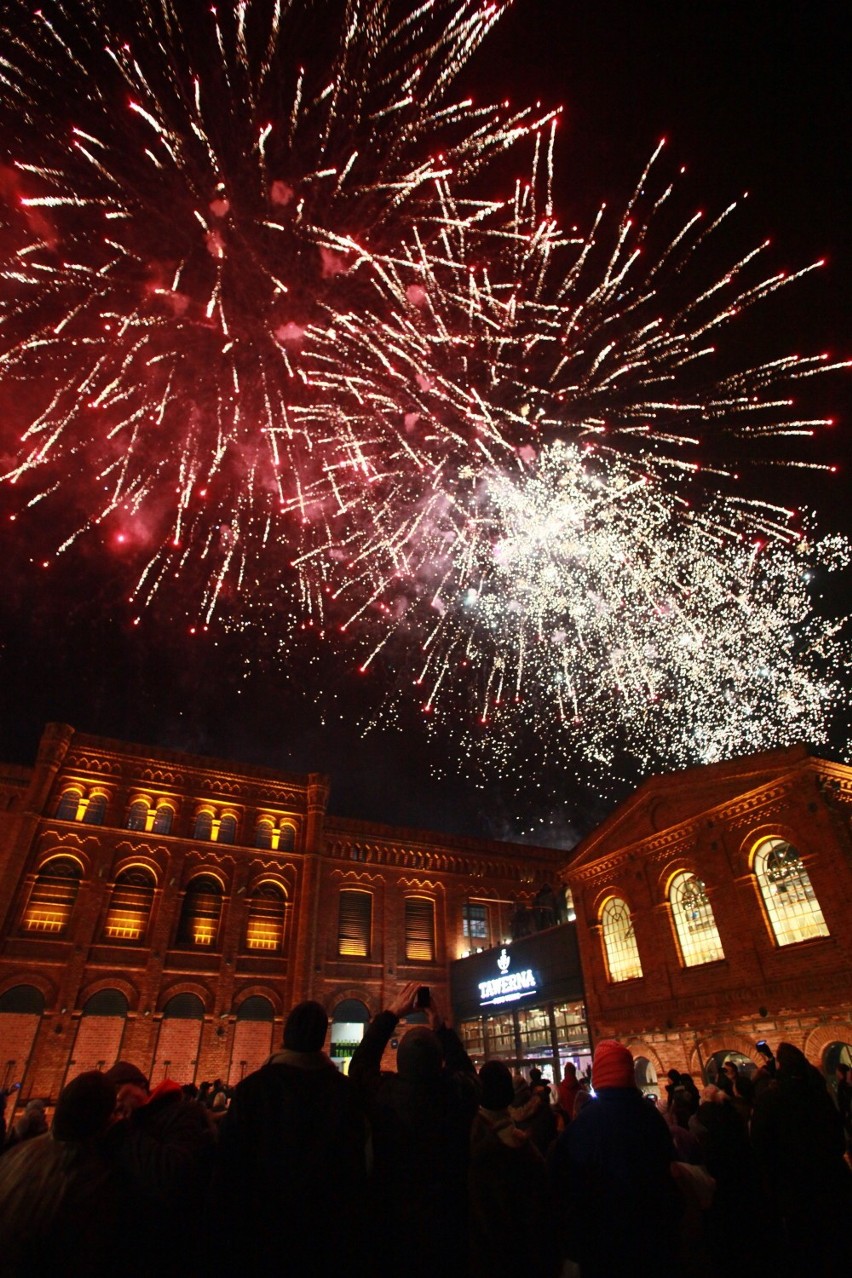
column 751, row 95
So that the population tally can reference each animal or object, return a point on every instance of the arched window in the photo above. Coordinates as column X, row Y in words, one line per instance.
column 137, row 814
column 163, row 819
column 22, row 1000
column 69, row 802
column 130, row 906
column 287, row 839
column 349, row 1020
column 256, row 1008
column 202, row 908
column 95, row 810
column 184, row 1007
column 203, row 827
column 419, row 929
column 106, row 1003
column 53, row 895
column 714, row 1063
column 693, row 917
column 785, row 885
column 263, row 833
column 620, row 948
column 227, row 829
column 265, row 926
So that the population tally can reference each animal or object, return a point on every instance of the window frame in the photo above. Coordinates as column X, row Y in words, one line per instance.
column 780, row 919
column 607, row 906
column 415, row 932
column 689, row 948
column 356, row 917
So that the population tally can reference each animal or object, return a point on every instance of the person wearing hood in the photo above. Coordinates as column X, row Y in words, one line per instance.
column 292, row 1148
column 510, row 1228
column 62, row 1204
column 615, row 1195
column 421, row 1117
column 797, row 1136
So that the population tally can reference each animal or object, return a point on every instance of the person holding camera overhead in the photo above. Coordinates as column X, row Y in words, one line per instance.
column 421, row 1118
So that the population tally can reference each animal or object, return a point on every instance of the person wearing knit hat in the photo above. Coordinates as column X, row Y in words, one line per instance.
column 162, row 1143
column 306, row 1028
column 612, row 1065
column 616, row 1199
column 421, row 1115
column 293, row 1136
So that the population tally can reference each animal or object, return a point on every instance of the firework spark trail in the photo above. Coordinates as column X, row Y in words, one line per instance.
column 535, row 448
column 172, row 237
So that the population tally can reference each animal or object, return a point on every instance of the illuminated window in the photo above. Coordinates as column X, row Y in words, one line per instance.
column 68, row 806
column 354, row 925
column 694, row 921
column 203, row 828
column 130, row 905
column 53, row 896
column 227, row 829
column 622, row 952
column 137, row 815
column 287, row 839
column 475, row 923
column 785, row 885
column 263, row 834
column 95, row 810
column 202, row 909
column 265, row 927
column 419, row 929
column 163, row 819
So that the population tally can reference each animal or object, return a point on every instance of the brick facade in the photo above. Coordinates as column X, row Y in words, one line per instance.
column 180, row 999
column 712, row 822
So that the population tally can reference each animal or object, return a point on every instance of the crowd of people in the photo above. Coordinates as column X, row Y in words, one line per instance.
column 430, row 1167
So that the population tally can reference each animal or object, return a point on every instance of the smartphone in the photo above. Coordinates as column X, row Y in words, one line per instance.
column 424, row 997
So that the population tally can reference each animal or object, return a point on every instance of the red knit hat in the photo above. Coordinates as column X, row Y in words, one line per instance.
column 612, row 1065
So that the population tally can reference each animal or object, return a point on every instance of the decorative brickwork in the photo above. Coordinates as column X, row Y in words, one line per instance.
column 156, row 960
column 767, row 982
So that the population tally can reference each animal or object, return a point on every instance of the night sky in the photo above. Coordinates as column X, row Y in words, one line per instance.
column 751, row 96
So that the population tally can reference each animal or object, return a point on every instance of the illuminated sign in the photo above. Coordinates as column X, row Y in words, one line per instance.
column 508, row 986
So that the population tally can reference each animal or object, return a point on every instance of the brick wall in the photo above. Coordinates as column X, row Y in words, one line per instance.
column 253, row 1045
column 17, row 1035
column 97, row 1045
column 177, row 1044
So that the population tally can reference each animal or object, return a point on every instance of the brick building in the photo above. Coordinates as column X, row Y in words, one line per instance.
column 714, row 910
column 171, row 909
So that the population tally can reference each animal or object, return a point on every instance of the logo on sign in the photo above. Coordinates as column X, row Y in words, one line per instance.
column 508, row 986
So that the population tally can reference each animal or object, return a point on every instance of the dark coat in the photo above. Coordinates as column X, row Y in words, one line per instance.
column 511, row 1228
column 798, row 1138
column 291, row 1153
column 617, row 1204
column 421, row 1150
column 165, row 1152
column 63, row 1210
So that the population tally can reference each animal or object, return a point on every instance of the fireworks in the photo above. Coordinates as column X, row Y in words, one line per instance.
column 172, row 237
column 262, row 318
column 524, row 485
